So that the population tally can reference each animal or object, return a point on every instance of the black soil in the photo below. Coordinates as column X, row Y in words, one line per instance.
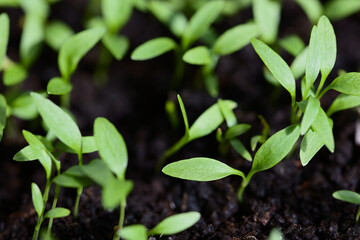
column 290, row 197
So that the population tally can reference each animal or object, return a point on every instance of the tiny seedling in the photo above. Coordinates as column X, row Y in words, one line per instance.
column 350, row 197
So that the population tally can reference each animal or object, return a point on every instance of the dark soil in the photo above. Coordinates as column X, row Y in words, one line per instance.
column 290, row 197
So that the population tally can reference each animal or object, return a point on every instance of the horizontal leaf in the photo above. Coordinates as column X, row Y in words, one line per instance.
column 338, row 9
column 275, row 148
column 322, row 127
column 153, row 48
column 343, row 102
column 228, row 114
column 198, row 56
column 292, row 44
column 23, row 107
column 4, row 36
column 57, row 86
column 235, row 38
column 111, row 146
column 115, row 192
column 200, row 169
column 175, row 224
column 313, row 9
column 56, row 33
column 236, row 131
column 347, row 196
column 310, row 145
column 3, row 107
column 14, row 74
column 98, row 171
column 348, row 83
column 133, row 232
column 70, row 181
column 117, row 45
column 62, row 125
column 311, row 110
column 37, row 199
column 57, row 213
column 276, row 65
column 240, row 149
column 75, row 48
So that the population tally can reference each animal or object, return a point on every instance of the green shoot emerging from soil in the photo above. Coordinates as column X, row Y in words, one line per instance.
column 350, row 197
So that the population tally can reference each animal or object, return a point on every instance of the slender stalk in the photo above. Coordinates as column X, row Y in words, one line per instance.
column 40, row 218
column 294, row 119
column 65, row 98
column 321, row 84
column 79, row 190
column 37, row 229
column 176, row 147
column 357, row 215
column 179, row 69
column 121, row 221
column 56, row 196
column 244, row 183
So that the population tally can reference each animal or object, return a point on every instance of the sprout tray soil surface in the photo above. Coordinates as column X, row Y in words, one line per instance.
column 290, row 197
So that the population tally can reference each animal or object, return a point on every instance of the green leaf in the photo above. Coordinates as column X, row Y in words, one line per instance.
column 276, row 65
column 73, row 178
column 115, row 192
column 175, row 224
column 4, row 36
column 111, row 146
column 235, row 38
column 116, row 13
column 75, row 48
column 310, row 145
column 348, row 83
column 338, row 9
column 59, row 122
column 98, row 171
column 57, row 86
column 153, row 48
column 200, row 169
column 327, row 46
column 208, row 121
column 183, row 112
column 88, row 144
column 201, row 21
column 3, row 107
column 254, row 141
column 117, row 45
column 133, row 232
column 275, row 148
column 228, row 114
column 198, row 56
column 25, row 154
column 347, row 196
column 298, row 66
column 267, row 17
column 56, row 33
column 23, row 107
column 322, row 127
column 240, row 149
column 313, row 9
column 37, row 8
column 57, row 213
column 236, row 131
column 311, row 110
column 312, row 61
column 292, row 44
column 14, row 74
column 276, row 234
column 37, row 199
column 343, row 102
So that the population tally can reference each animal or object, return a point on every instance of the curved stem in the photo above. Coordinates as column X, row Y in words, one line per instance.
column 121, row 221
column 357, row 215
column 79, row 191
column 322, row 81
column 176, row 147
column 244, row 183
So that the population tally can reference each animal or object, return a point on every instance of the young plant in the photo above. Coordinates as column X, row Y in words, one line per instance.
column 350, row 197
column 206, row 123
column 315, row 125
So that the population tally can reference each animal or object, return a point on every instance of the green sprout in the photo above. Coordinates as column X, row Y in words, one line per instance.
column 307, row 116
column 350, row 197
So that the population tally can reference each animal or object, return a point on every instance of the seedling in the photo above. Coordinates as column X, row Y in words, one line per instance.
column 350, row 197
column 315, row 126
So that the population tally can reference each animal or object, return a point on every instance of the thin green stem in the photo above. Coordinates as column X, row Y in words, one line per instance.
column 121, row 221
column 357, row 215
column 37, row 229
column 244, row 183
column 294, row 119
column 179, row 69
column 321, row 84
column 40, row 218
column 56, row 196
column 79, row 190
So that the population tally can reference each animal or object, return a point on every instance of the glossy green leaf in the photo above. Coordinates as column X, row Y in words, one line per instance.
column 200, row 169
column 276, row 65
column 134, row 232
column 343, row 102
column 153, row 48
column 267, row 17
column 4, row 36
column 310, row 145
column 23, row 107
column 115, row 192
column 3, row 107
column 183, row 112
column 57, row 213
column 88, row 144
column 338, row 9
column 56, row 33
column 111, row 146
column 201, row 21
column 240, row 149
column 208, row 121
column 37, row 199
column 25, row 154
column 98, row 171
column 348, row 83
column 292, row 44
column 322, row 127
column 311, row 110
column 198, row 56
column 236, row 131
column 312, row 61
column 33, row 140
column 57, row 86
column 235, row 38
column 347, row 196
column 175, row 223
column 14, row 74
column 327, row 46
column 228, row 114
column 60, row 123
column 116, row 13
column 75, row 48
column 298, row 66
column 313, row 9
column 117, row 45
column 74, row 177
column 275, row 148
